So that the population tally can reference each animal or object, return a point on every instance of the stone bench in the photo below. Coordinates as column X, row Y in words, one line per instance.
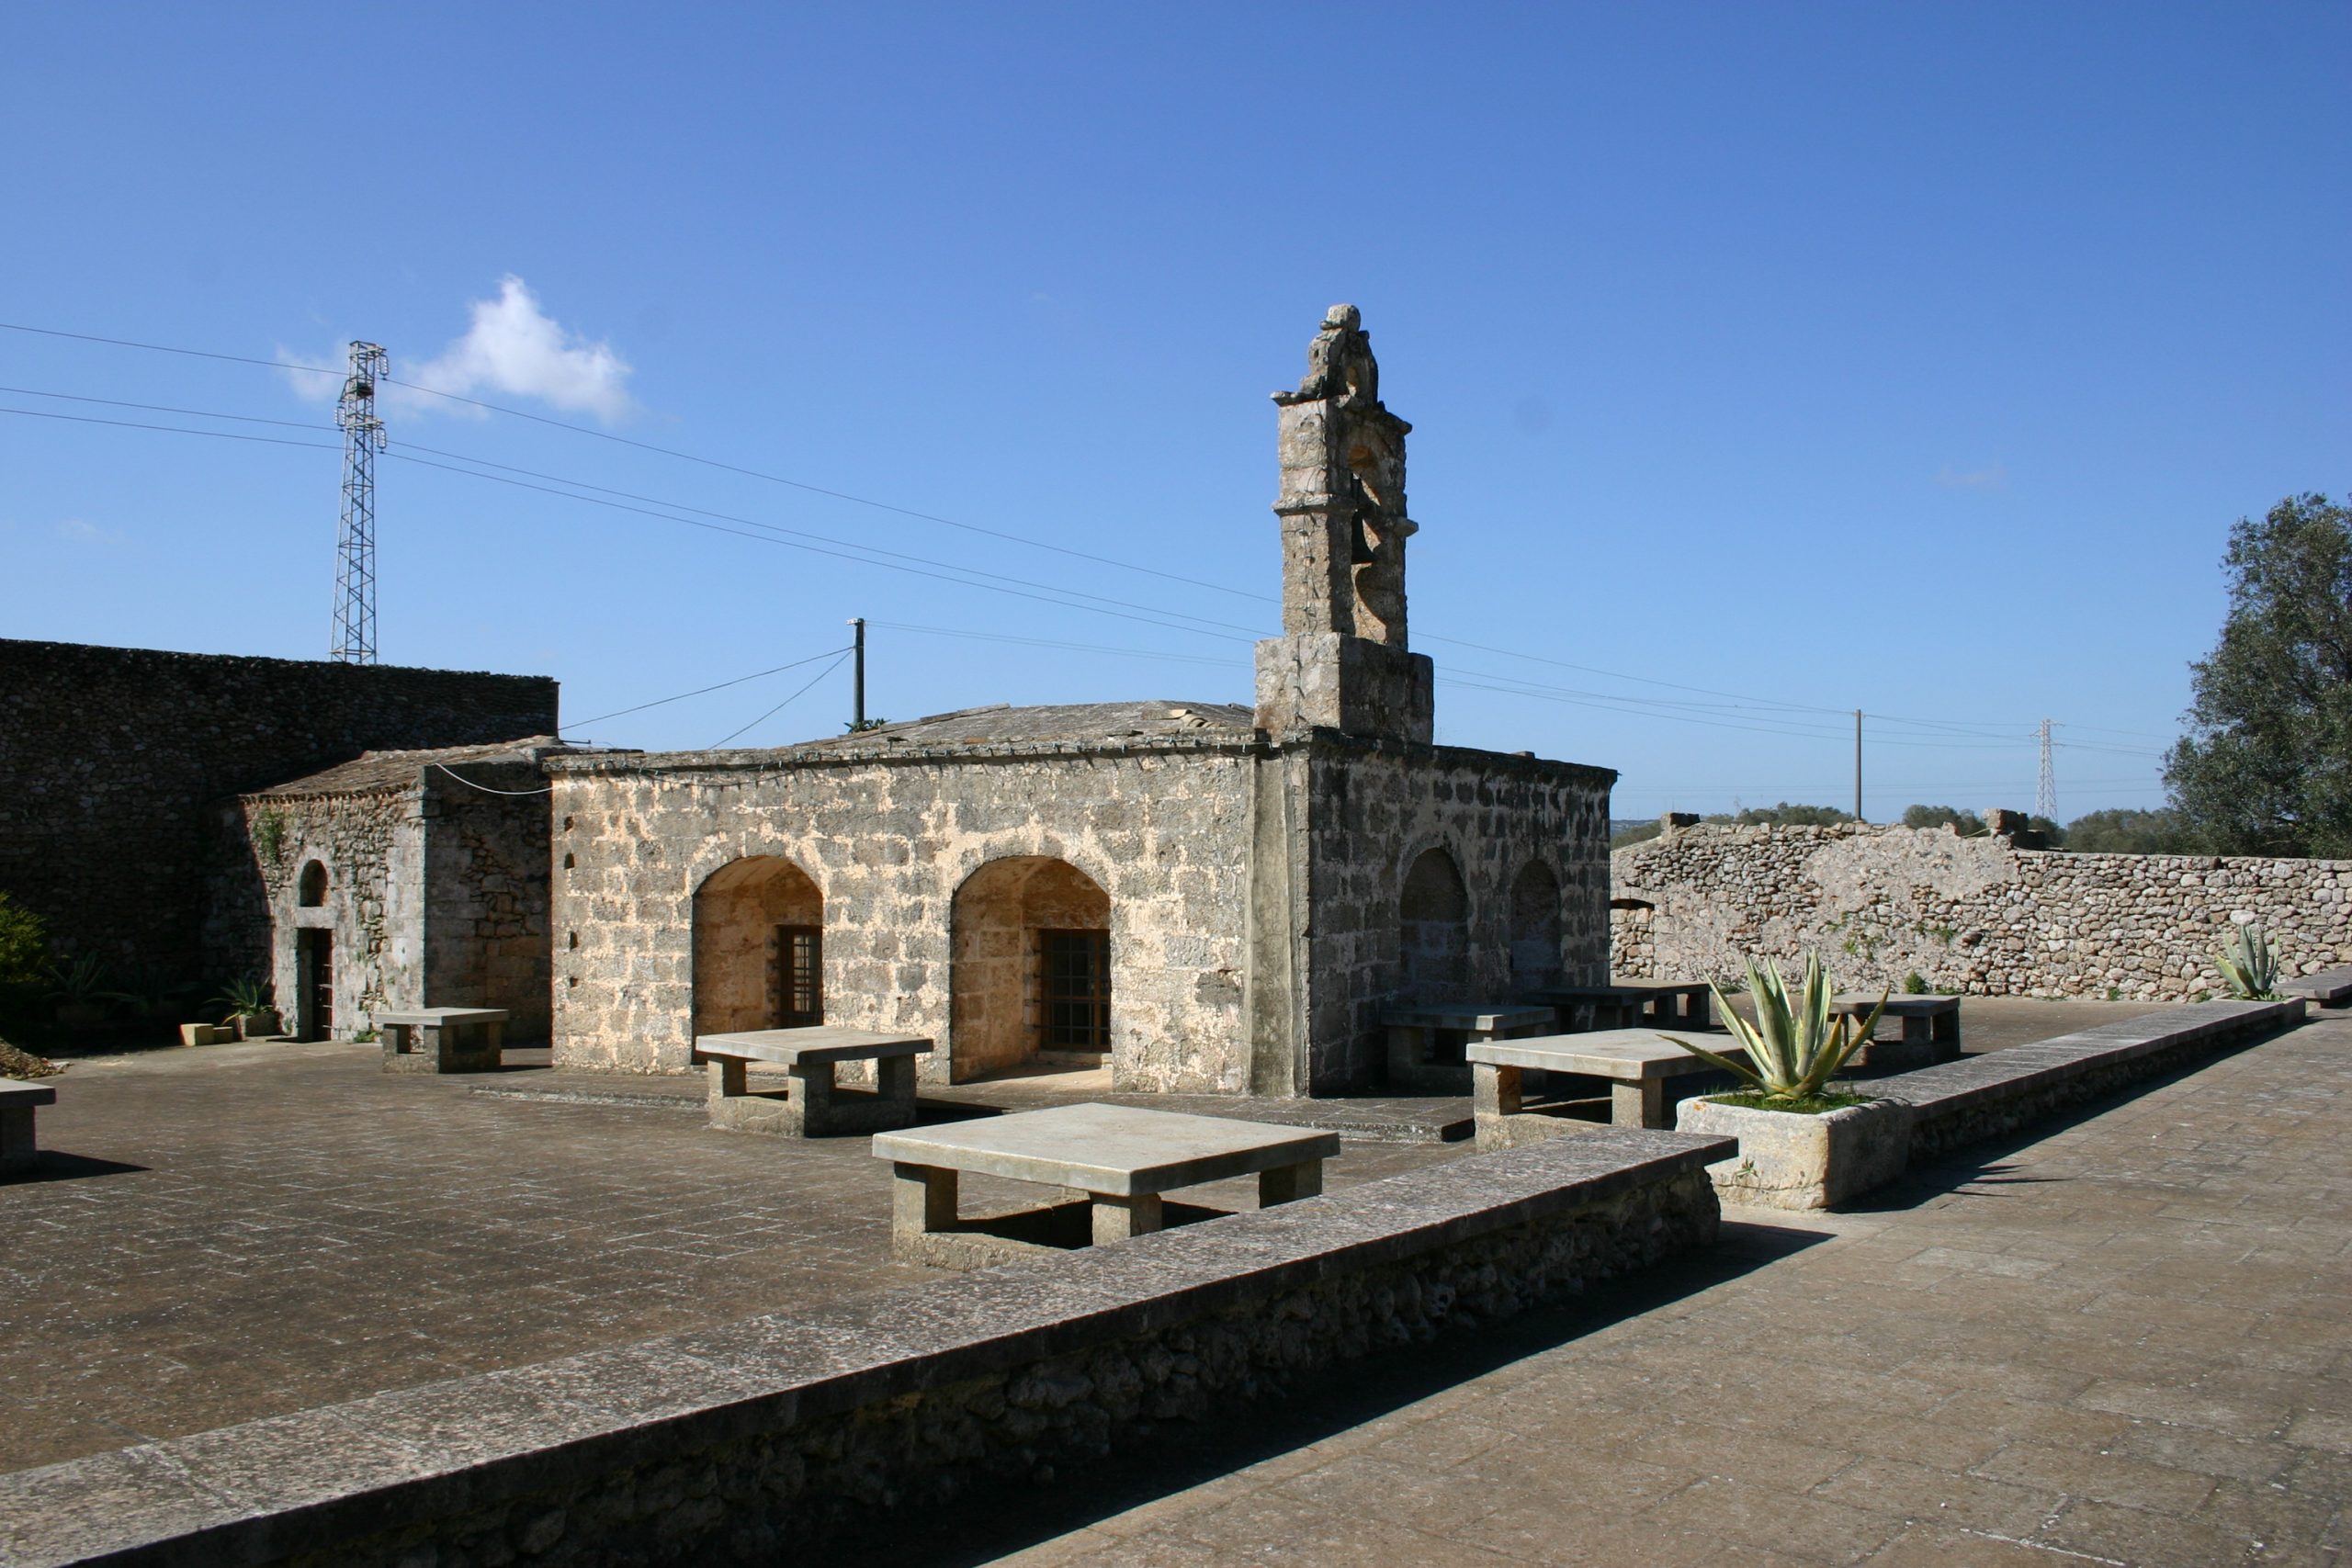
column 1425, row 1043
column 1930, row 1029
column 1626, row 1004
column 1124, row 1158
column 17, row 1102
column 1637, row 1064
column 815, row 1107
column 441, row 1040
column 2328, row 989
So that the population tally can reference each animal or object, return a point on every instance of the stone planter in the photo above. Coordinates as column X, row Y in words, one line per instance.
column 199, row 1034
column 257, row 1025
column 1791, row 1161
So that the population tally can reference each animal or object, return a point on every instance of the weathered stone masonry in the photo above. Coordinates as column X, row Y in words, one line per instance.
column 112, row 759
column 426, row 870
column 1978, row 915
column 1252, row 883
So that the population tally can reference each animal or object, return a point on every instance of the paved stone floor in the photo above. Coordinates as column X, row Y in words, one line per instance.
column 222, row 1233
column 2127, row 1339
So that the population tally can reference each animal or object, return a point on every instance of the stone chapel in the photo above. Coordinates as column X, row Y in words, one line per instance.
column 1214, row 898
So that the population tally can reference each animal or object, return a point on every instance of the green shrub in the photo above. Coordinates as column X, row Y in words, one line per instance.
column 24, row 945
column 2250, row 964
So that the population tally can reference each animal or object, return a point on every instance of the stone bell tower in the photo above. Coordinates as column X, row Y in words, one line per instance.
column 1342, row 662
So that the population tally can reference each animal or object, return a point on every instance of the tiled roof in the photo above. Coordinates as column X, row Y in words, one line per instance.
column 372, row 771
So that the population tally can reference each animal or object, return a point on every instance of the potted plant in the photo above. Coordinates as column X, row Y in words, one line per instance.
column 1805, row 1141
column 2250, row 965
column 249, row 1008
column 80, row 992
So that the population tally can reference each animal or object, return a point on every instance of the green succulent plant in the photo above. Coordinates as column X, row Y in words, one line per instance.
column 1794, row 1047
column 2250, row 964
column 244, row 997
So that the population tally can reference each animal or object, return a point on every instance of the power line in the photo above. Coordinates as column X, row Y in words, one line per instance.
column 1766, row 712
column 782, row 705
column 699, row 691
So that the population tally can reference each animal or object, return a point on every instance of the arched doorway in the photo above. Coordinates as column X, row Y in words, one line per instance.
column 1031, row 962
column 1433, row 923
column 1535, row 928
column 759, row 947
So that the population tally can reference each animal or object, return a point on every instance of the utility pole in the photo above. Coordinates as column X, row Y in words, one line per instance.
column 2045, row 798
column 1857, row 764
column 355, row 560
column 857, row 699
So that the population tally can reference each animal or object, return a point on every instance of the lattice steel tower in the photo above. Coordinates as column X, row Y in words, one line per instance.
column 2045, row 798
column 355, row 560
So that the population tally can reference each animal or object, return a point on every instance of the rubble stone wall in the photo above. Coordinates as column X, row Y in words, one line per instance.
column 113, row 760
column 1375, row 807
column 1976, row 916
column 484, row 892
column 373, row 847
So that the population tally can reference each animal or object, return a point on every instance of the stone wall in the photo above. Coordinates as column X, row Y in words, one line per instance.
column 1376, row 808
column 485, row 895
column 765, row 1442
column 1978, row 915
column 112, row 759
column 1161, row 827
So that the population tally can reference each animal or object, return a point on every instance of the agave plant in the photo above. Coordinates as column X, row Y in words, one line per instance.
column 2251, row 965
column 1794, row 1047
column 244, row 997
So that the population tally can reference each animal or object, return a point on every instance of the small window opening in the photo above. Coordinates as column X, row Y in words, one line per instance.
column 312, row 891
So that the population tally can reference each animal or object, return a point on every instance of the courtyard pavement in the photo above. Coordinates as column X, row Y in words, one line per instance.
column 2125, row 1339
column 227, row 1233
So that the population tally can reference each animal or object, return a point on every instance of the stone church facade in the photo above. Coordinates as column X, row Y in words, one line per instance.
column 1213, row 898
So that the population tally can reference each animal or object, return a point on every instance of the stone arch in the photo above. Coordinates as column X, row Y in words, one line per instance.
column 1535, row 927
column 1433, row 931
column 1029, row 964
column 758, row 947
column 311, row 886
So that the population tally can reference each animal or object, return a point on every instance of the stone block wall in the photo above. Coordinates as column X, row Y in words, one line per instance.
column 1976, row 916
column 1161, row 827
column 113, row 760
column 1375, row 808
column 373, row 848
column 485, row 895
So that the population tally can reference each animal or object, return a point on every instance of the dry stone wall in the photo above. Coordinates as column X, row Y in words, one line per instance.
column 113, row 760
column 485, row 896
column 1977, row 916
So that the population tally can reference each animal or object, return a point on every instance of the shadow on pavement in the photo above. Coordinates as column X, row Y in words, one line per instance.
column 982, row 1526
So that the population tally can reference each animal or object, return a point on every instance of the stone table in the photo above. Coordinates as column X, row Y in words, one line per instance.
column 1637, row 1062
column 815, row 1107
column 454, row 1040
column 1930, row 1029
column 17, row 1102
column 1121, row 1156
column 1423, row 1041
column 1622, row 1004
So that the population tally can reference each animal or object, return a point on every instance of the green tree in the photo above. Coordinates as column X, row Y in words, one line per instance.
column 2123, row 831
column 1968, row 822
column 2266, row 766
column 1787, row 816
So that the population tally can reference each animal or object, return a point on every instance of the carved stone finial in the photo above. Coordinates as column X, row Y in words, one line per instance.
column 1347, row 317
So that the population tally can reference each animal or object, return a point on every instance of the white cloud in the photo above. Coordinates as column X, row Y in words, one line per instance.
column 1993, row 476
column 311, row 385
column 515, row 348
column 84, row 533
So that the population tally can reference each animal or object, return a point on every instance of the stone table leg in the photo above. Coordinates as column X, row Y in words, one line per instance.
column 728, row 1080
column 1494, row 1092
column 1289, row 1183
column 1408, row 1049
column 396, row 1042
column 1118, row 1218
column 894, row 1086
column 1639, row 1104
column 812, row 1094
column 439, row 1041
column 17, row 1151
column 922, row 1200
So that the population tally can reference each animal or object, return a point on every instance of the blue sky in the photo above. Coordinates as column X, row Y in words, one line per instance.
column 1766, row 362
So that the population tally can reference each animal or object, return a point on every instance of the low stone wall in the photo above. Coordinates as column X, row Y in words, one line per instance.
column 750, row 1442
column 1977, row 916
column 1977, row 1098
